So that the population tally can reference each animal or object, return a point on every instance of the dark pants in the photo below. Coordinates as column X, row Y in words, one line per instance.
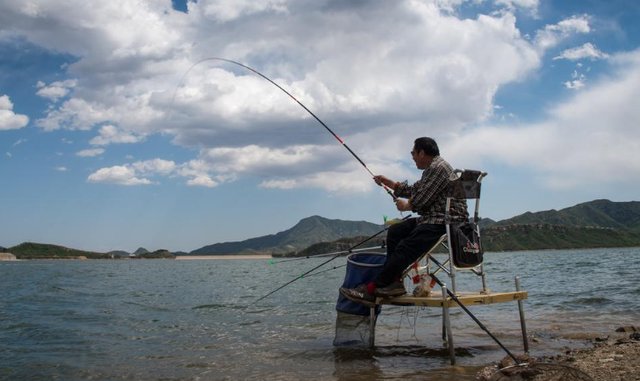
column 406, row 242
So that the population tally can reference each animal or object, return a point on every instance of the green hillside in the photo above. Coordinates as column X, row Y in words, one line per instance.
column 307, row 232
column 598, row 213
column 598, row 223
column 545, row 236
column 31, row 250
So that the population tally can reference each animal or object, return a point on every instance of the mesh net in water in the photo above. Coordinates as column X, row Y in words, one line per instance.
column 354, row 325
column 353, row 330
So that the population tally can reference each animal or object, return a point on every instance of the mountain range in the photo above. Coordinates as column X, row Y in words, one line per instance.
column 598, row 223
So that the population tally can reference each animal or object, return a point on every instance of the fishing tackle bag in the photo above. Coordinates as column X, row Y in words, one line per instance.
column 466, row 247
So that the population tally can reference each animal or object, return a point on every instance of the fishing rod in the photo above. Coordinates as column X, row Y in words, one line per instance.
column 472, row 316
column 348, row 251
column 386, row 188
column 325, row 270
column 325, row 262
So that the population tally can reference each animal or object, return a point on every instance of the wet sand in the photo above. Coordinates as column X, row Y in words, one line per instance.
column 610, row 358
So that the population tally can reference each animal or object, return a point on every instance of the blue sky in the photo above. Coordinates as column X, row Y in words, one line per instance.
column 111, row 138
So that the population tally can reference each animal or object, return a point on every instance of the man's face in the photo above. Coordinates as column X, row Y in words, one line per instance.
column 421, row 159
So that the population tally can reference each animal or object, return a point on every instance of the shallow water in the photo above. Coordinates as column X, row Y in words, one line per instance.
column 196, row 320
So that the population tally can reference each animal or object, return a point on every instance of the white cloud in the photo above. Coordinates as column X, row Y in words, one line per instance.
column 222, row 10
column 110, row 134
column 592, row 137
column 134, row 173
column 75, row 114
column 575, row 84
column 9, row 120
column 530, row 5
column 61, row 169
column 588, row 50
column 55, row 90
column 577, row 81
column 121, row 175
column 553, row 34
column 159, row 166
column 436, row 72
column 202, row 181
column 91, row 152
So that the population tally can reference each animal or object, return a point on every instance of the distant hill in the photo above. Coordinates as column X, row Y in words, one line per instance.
column 140, row 251
column 598, row 223
column 545, row 236
column 307, row 232
column 597, row 213
column 158, row 254
column 119, row 254
column 31, row 250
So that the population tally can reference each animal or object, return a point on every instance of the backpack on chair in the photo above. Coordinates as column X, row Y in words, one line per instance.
column 465, row 245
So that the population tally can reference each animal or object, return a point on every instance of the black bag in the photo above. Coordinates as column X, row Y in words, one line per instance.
column 465, row 245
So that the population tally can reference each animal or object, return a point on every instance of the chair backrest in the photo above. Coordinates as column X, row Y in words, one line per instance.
column 464, row 239
column 465, row 183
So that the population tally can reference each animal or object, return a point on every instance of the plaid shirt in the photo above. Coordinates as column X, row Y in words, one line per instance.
column 428, row 196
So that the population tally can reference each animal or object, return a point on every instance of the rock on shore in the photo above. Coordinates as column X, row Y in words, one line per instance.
column 611, row 358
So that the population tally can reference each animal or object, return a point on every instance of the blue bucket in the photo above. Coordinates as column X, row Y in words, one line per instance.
column 361, row 268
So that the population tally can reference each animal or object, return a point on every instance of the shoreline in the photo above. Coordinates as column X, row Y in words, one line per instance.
column 611, row 357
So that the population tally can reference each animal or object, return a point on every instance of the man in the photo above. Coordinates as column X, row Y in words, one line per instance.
column 409, row 239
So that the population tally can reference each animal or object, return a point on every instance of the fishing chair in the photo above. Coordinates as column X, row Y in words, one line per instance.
column 463, row 249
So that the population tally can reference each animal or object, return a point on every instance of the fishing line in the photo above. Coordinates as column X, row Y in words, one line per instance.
column 340, row 140
column 326, row 270
column 348, row 251
column 325, row 262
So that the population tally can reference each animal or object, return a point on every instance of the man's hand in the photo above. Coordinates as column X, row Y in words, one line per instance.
column 403, row 205
column 380, row 179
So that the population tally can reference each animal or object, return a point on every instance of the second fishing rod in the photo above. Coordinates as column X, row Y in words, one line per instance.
column 339, row 254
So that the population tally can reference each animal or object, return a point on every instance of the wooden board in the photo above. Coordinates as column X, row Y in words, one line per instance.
column 466, row 298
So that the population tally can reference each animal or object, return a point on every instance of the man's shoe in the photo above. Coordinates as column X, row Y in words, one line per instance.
column 394, row 289
column 359, row 295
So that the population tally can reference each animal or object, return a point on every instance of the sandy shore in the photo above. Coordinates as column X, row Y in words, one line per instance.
column 252, row 256
column 611, row 358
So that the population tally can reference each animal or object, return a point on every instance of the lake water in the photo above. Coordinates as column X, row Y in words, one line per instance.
column 196, row 320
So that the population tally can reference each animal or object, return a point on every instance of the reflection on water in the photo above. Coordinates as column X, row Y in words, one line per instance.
column 159, row 319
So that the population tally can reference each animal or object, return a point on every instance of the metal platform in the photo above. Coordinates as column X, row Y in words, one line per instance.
column 435, row 299
column 442, row 299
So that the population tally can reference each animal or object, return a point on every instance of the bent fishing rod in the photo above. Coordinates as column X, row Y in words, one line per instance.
column 342, row 142
column 327, row 261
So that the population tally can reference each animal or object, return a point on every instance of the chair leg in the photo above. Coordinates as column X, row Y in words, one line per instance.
column 523, row 324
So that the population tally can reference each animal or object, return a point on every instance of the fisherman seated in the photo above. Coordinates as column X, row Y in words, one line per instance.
column 409, row 239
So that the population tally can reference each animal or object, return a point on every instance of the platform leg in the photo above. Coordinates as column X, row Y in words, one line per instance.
column 447, row 325
column 372, row 327
column 523, row 324
column 484, row 281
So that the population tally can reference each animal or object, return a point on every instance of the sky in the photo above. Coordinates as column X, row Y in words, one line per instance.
column 118, row 131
